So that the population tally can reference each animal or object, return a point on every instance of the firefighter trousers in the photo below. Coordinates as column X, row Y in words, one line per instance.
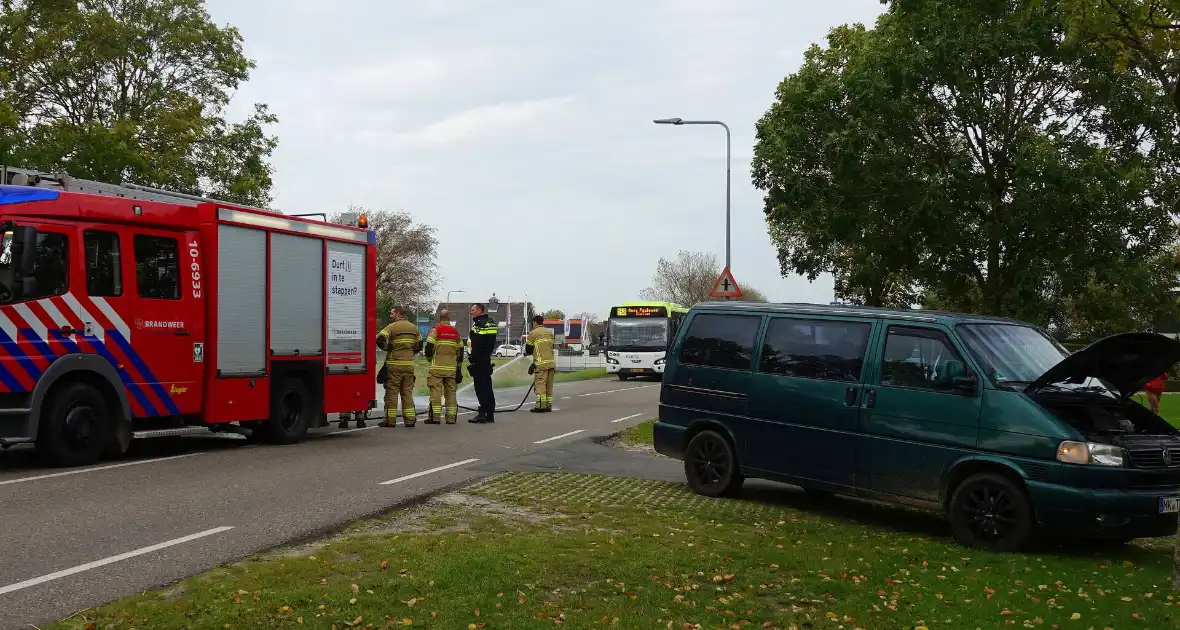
column 443, row 388
column 399, row 383
column 543, row 387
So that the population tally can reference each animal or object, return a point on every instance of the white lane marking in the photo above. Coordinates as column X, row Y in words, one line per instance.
column 565, row 398
column 634, row 415
column 427, row 472
column 95, row 469
column 111, row 560
column 558, row 437
column 611, row 391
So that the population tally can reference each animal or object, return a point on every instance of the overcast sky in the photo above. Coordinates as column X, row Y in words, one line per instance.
column 521, row 129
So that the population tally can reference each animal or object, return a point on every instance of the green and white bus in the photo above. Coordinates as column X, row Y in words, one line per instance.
column 637, row 335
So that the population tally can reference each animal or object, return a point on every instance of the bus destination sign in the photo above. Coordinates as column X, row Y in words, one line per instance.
column 640, row 311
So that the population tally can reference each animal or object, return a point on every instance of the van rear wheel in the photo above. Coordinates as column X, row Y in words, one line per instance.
column 711, row 466
column 990, row 511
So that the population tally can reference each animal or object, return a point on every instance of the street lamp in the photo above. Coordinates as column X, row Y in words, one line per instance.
column 728, row 157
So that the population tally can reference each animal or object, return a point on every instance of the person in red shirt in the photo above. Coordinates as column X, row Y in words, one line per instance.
column 1154, row 388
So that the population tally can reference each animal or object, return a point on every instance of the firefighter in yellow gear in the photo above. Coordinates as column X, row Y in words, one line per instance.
column 401, row 340
column 539, row 344
column 444, row 350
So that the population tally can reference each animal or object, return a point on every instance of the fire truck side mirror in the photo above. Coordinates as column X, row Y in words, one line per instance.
column 24, row 259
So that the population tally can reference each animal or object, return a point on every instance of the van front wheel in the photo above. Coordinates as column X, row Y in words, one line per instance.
column 989, row 511
column 710, row 465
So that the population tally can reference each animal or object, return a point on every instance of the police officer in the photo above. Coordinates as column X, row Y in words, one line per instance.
column 444, row 349
column 401, row 340
column 540, row 345
column 483, row 343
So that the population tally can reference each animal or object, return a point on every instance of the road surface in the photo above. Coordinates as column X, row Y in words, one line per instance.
column 76, row 538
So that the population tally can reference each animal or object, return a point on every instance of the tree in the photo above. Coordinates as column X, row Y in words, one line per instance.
column 977, row 168
column 407, row 274
column 1144, row 35
column 554, row 314
column 689, row 279
column 117, row 90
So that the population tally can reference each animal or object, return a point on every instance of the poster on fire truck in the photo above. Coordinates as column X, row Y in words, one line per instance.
column 346, row 306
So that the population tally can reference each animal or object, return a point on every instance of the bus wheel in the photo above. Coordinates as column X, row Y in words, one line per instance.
column 290, row 413
column 623, row 377
column 75, row 427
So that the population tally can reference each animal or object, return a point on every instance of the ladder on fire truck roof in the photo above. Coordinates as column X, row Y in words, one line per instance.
column 66, row 183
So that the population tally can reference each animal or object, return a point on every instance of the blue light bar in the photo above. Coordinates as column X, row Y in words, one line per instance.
column 25, row 194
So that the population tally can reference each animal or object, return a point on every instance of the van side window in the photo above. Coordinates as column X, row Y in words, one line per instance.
column 722, row 341
column 104, row 271
column 157, row 267
column 826, row 350
column 917, row 358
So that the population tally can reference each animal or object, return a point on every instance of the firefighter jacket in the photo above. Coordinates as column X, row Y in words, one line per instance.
column 444, row 349
column 540, row 345
column 400, row 340
column 483, row 339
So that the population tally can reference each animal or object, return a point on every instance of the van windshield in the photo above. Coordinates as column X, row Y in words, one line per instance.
column 1010, row 353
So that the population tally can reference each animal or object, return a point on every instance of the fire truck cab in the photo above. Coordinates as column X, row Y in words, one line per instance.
column 133, row 312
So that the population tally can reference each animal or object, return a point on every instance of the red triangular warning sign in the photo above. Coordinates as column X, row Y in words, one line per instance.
column 726, row 286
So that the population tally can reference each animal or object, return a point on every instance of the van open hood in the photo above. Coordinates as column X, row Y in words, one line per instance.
column 1126, row 361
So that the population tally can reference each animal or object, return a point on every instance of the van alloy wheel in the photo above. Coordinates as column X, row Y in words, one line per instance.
column 710, row 465
column 990, row 511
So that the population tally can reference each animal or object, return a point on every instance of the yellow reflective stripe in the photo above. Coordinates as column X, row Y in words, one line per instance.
column 403, row 363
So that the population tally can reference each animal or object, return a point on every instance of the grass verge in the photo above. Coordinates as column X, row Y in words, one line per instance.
column 640, row 434
column 534, row 550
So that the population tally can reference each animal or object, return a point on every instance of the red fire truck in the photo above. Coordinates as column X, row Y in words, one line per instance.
column 133, row 312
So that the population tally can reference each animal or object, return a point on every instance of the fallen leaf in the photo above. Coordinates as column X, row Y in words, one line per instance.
column 1075, row 616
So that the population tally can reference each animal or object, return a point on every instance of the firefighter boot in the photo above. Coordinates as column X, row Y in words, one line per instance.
column 434, row 383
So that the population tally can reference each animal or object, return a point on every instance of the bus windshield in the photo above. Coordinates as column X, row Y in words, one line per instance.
column 637, row 334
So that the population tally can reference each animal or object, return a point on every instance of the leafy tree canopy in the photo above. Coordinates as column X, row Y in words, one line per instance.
column 967, row 155
column 130, row 90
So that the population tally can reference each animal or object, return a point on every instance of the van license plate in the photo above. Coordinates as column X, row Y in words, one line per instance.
column 1169, row 505
column 637, row 370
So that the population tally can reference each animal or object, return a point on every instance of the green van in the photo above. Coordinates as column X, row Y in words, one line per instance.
column 986, row 420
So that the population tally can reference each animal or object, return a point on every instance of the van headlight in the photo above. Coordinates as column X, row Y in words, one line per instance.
column 612, row 360
column 659, row 361
column 1091, row 453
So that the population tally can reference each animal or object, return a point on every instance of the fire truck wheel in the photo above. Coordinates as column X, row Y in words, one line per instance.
column 75, row 427
column 290, row 414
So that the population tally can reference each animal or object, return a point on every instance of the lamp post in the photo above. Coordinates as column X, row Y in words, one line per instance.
column 728, row 158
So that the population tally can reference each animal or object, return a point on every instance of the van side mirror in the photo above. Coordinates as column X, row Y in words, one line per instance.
column 24, row 260
column 955, row 376
column 965, row 384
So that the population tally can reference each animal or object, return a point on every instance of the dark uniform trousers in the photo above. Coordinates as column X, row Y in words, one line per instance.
column 483, row 342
